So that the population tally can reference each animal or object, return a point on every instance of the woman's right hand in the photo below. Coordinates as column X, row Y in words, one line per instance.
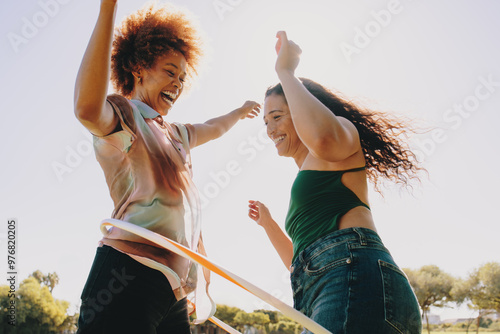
column 288, row 54
column 259, row 213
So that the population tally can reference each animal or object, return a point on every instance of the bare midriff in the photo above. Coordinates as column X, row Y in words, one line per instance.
column 357, row 217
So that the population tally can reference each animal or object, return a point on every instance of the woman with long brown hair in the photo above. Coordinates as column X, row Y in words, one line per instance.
column 342, row 275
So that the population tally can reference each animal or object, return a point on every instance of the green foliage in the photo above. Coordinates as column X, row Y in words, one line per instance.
column 259, row 319
column 273, row 315
column 265, row 321
column 36, row 309
column 482, row 288
column 482, row 291
column 50, row 280
column 242, row 319
column 432, row 287
column 285, row 327
column 227, row 314
column 254, row 319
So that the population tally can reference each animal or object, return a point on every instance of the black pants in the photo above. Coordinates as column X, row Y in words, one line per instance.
column 124, row 296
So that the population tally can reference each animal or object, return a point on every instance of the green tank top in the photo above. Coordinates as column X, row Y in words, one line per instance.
column 318, row 200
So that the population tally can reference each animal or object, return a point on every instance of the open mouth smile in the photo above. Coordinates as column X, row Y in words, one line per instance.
column 168, row 97
column 278, row 139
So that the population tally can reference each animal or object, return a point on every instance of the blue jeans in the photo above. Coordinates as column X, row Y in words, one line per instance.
column 124, row 296
column 348, row 282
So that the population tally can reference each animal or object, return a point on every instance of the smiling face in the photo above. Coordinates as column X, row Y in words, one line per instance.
column 280, row 127
column 162, row 84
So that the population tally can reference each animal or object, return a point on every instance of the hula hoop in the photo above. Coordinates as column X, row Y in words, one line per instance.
column 210, row 265
column 223, row 325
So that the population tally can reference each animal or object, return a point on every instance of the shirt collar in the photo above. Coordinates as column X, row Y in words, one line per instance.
column 145, row 110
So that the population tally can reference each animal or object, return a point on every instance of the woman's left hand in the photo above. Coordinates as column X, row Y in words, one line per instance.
column 288, row 54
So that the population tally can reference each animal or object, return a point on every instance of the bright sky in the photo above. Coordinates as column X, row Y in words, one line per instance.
column 436, row 62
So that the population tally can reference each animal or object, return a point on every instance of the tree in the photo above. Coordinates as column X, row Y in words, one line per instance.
column 227, row 314
column 273, row 315
column 481, row 289
column 265, row 321
column 36, row 309
column 432, row 287
column 50, row 280
column 242, row 319
column 285, row 327
column 281, row 324
column 255, row 319
column 259, row 320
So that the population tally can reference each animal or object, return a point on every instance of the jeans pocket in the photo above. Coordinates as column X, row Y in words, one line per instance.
column 328, row 259
column 401, row 308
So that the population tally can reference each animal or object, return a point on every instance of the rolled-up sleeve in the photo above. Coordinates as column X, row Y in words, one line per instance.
column 123, row 138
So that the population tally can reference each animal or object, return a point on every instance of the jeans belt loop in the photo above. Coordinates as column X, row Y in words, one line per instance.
column 362, row 238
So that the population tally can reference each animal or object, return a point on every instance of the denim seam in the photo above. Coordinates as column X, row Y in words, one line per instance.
column 329, row 266
column 362, row 238
column 349, row 284
column 381, row 264
column 324, row 249
column 374, row 247
column 393, row 267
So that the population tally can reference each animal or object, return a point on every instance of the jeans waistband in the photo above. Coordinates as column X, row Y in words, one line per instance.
column 360, row 235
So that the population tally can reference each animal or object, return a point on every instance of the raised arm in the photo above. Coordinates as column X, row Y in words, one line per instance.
column 281, row 242
column 327, row 136
column 92, row 80
column 216, row 127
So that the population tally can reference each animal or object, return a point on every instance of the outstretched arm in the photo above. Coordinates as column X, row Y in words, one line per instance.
column 327, row 136
column 281, row 242
column 92, row 81
column 216, row 127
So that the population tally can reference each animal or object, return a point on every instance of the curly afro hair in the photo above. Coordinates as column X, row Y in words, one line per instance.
column 148, row 34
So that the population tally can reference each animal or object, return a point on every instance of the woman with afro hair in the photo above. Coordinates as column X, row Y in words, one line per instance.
column 134, row 286
column 342, row 275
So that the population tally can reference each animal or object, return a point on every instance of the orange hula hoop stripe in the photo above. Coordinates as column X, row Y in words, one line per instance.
column 205, row 262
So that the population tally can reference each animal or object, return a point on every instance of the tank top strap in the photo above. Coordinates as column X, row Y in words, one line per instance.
column 357, row 169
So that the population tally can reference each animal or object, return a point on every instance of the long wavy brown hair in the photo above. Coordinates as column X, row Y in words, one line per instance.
column 382, row 136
